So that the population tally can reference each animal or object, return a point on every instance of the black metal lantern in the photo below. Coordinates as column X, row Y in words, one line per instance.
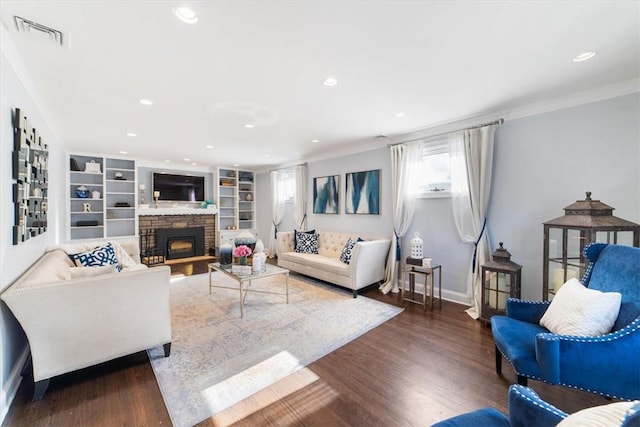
column 501, row 279
column 585, row 221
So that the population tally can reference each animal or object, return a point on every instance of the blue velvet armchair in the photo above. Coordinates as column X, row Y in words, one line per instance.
column 526, row 409
column 609, row 364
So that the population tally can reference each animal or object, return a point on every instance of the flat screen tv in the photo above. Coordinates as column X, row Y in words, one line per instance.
column 180, row 188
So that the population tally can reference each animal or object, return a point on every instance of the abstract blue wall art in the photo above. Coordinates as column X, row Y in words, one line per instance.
column 326, row 192
column 363, row 193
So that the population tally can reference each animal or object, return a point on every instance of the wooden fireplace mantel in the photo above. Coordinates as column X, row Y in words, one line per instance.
column 176, row 211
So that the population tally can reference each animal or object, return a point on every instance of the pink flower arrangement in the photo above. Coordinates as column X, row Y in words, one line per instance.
column 242, row 251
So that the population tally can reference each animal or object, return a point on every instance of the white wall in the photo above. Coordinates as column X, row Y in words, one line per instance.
column 15, row 259
column 378, row 225
column 542, row 163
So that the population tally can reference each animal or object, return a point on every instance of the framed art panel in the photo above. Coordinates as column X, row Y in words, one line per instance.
column 30, row 163
column 326, row 194
column 363, row 192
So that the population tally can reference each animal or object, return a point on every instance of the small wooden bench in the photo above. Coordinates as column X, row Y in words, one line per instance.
column 190, row 265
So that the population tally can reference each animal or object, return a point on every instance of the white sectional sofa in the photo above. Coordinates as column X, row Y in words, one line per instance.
column 73, row 323
column 367, row 265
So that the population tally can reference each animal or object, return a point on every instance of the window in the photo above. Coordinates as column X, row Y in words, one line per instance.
column 434, row 174
column 288, row 185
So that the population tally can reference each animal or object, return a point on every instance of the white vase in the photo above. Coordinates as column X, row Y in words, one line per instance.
column 259, row 246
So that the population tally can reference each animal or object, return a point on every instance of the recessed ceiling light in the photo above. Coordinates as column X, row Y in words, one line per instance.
column 236, row 165
column 267, row 155
column 187, row 160
column 400, row 114
column 185, row 14
column 131, row 134
column 315, row 141
column 249, row 126
column 209, row 146
column 584, row 56
column 194, row 163
column 146, row 102
column 167, row 161
column 123, row 152
column 330, row 81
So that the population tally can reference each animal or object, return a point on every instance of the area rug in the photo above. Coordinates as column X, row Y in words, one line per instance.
column 218, row 359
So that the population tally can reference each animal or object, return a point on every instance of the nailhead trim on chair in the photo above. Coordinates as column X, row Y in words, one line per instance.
column 530, row 301
column 538, row 402
column 635, row 325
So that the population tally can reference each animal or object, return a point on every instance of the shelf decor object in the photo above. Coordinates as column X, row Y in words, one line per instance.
column 30, row 163
column 102, row 197
column 82, row 192
column 585, row 221
column 501, row 279
column 236, row 202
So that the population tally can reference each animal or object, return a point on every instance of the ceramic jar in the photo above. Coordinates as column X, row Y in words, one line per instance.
column 246, row 238
column 82, row 192
column 226, row 255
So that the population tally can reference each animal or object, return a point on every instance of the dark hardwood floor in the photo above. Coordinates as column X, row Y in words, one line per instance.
column 413, row 370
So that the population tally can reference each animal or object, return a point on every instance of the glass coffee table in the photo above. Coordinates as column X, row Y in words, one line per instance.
column 244, row 281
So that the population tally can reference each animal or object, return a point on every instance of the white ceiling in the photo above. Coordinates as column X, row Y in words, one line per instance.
column 263, row 62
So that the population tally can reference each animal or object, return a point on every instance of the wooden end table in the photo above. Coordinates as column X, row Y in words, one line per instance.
column 428, row 273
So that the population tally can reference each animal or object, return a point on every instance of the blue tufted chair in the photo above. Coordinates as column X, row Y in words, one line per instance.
column 526, row 409
column 609, row 364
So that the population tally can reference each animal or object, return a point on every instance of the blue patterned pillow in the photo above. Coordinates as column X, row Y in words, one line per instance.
column 295, row 236
column 347, row 250
column 100, row 256
column 306, row 243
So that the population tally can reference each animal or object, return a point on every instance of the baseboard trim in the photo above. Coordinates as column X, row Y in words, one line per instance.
column 447, row 295
column 14, row 380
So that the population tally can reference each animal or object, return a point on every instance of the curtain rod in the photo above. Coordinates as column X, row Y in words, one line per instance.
column 495, row 122
column 288, row 167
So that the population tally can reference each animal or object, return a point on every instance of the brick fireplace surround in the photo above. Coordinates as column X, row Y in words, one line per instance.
column 147, row 222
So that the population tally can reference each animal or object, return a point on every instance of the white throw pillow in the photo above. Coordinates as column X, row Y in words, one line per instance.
column 79, row 272
column 606, row 415
column 577, row 310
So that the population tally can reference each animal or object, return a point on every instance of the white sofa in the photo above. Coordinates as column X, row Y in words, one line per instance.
column 367, row 266
column 73, row 323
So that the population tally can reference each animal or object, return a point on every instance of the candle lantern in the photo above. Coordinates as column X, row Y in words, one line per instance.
column 416, row 246
column 500, row 280
column 585, row 221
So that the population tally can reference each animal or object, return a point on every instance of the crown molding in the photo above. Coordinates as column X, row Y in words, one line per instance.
column 589, row 96
column 601, row 93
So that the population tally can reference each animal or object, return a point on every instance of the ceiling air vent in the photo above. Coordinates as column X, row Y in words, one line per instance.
column 26, row 26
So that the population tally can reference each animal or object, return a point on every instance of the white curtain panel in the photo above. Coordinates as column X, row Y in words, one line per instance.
column 300, row 210
column 405, row 161
column 471, row 157
column 277, row 210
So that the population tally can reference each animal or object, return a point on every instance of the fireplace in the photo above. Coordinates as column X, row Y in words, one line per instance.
column 176, row 243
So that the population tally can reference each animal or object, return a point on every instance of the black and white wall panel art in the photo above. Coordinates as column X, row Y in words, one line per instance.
column 30, row 161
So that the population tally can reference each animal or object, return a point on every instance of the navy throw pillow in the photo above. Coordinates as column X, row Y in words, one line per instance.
column 307, row 243
column 295, row 236
column 98, row 257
